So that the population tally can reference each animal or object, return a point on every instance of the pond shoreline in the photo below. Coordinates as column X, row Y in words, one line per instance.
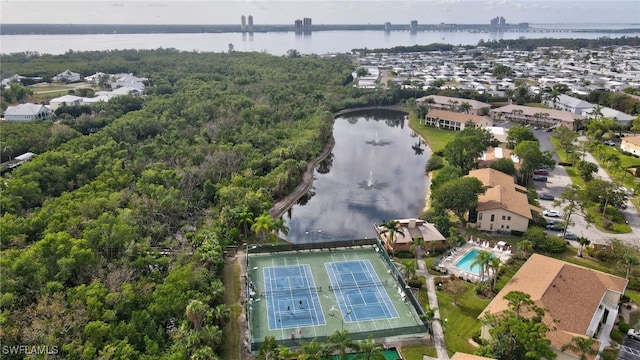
column 283, row 205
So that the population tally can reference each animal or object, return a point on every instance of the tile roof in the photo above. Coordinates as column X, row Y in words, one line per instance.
column 439, row 99
column 569, row 292
column 634, row 140
column 456, row 116
column 501, row 197
column 463, row 356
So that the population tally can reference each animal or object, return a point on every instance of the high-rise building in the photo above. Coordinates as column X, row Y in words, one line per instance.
column 387, row 26
column 306, row 25
column 243, row 23
column 250, row 25
column 298, row 26
column 414, row 25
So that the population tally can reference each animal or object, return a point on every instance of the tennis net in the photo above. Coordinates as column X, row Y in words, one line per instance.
column 294, row 291
column 360, row 285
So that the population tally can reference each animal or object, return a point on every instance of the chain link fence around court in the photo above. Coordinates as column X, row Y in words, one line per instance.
column 335, row 248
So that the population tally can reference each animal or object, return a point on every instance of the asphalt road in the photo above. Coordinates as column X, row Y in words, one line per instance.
column 558, row 180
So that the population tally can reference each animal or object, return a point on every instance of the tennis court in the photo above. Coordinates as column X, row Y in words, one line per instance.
column 299, row 295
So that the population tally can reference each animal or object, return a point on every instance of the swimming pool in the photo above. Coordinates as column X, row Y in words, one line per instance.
column 464, row 263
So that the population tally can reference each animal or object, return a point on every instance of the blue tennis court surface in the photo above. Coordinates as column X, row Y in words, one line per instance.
column 292, row 297
column 360, row 293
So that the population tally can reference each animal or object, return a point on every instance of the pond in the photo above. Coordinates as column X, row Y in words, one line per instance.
column 376, row 172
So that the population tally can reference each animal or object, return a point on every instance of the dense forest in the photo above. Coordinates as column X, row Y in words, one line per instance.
column 112, row 240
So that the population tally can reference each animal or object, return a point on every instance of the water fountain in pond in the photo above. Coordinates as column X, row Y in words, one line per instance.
column 371, row 184
column 377, row 142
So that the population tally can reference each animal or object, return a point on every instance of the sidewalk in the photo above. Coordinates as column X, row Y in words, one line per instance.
column 436, row 326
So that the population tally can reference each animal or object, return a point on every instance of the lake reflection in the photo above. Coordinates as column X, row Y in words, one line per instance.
column 375, row 173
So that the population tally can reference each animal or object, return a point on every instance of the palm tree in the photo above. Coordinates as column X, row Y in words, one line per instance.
column 583, row 241
column 341, row 341
column 196, row 312
column 313, row 350
column 410, row 270
column 246, row 220
column 465, row 107
column 263, row 225
column 391, row 227
column 628, row 260
column 582, row 346
column 596, row 112
column 495, row 264
column 483, row 259
column 370, row 350
column 279, row 226
column 524, row 246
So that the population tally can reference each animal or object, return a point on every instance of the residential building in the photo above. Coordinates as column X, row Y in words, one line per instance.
column 27, row 113
column 504, row 206
column 492, row 155
column 615, row 115
column 537, row 116
column 456, row 121
column 579, row 301
column 412, row 229
column 67, row 76
column 631, row 144
column 68, row 100
column 568, row 103
column 453, row 104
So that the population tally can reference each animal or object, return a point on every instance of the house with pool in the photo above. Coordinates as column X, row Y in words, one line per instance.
column 504, row 206
column 580, row 301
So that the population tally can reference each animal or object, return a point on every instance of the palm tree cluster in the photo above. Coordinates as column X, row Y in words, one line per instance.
column 338, row 343
column 264, row 226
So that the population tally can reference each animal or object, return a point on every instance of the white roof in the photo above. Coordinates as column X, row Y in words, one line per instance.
column 25, row 109
column 65, row 98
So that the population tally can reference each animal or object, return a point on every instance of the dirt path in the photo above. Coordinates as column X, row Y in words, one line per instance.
column 287, row 202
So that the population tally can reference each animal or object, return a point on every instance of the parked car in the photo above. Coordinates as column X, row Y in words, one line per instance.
column 610, row 143
column 549, row 130
column 634, row 334
column 539, row 178
column 551, row 213
column 570, row 236
column 541, row 172
column 547, row 197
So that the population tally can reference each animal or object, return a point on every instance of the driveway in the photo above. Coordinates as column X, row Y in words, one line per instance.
column 558, row 180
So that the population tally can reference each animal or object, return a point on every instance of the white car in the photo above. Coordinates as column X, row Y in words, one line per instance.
column 634, row 334
column 551, row 213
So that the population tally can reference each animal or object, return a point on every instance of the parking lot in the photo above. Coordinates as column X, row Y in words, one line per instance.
column 557, row 182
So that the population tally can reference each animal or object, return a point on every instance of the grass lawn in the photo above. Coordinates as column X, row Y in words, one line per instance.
column 618, row 227
column 38, row 97
column 462, row 319
column 231, row 280
column 415, row 352
column 435, row 138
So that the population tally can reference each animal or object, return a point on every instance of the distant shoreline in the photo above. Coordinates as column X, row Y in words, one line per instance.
column 79, row 29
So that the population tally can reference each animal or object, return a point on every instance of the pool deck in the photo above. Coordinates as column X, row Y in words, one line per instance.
column 447, row 262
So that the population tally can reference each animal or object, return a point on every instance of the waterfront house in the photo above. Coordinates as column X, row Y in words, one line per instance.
column 456, row 121
column 453, row 104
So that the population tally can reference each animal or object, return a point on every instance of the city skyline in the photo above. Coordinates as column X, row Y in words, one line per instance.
column 322, row 12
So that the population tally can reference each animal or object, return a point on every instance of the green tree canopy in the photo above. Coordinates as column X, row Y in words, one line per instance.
column 459, row 195
column 518, row 333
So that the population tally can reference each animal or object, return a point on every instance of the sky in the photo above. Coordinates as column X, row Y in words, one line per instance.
column 321, row 11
